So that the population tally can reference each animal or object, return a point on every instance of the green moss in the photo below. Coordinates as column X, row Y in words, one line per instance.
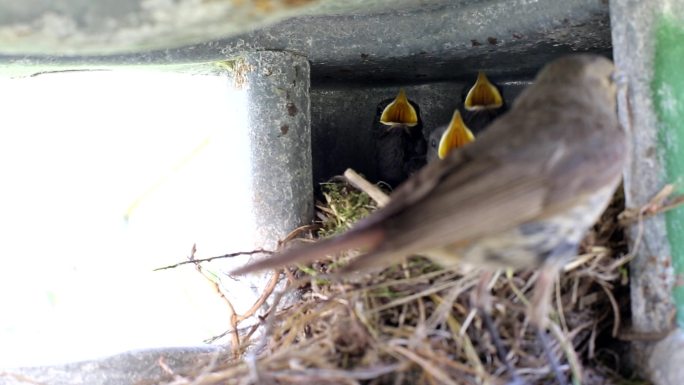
column 344, row 205
column 668, row 97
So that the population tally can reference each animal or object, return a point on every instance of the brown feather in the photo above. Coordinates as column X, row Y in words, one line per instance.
column 368, row 239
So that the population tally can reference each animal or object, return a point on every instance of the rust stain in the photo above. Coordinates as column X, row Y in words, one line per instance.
column 264, row 5
column 292, row 109
column 298, row 3
column 267, row 6
column 240, row 72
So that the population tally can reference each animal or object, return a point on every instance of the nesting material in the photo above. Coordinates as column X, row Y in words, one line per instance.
column 413, row 323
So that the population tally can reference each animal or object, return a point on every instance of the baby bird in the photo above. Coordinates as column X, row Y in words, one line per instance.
column 398, row 137
column 483, row 103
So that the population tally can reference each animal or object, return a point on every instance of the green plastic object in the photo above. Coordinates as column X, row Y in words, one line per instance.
column 668, row 98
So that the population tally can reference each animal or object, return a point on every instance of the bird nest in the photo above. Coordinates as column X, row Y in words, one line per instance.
column 414, row 323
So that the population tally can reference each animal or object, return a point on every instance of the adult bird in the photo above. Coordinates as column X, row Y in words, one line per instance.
column 521, row 196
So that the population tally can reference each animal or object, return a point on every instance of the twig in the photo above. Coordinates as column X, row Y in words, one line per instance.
column 165, row 367
column 275, row 278
column 644, row 336
column 251, row 357
column 426, row 364
column 231, row 255
column 559, row 306
column 294, row 233
column 234, row 336
column 570, row 353
column 268, row 290
column 657, row 205
column 616, row 309
column 362, row 184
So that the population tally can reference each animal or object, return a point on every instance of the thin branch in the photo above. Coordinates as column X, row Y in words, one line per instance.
column 268, row 290
column 362, row 184
column 234, row 336
column 231, row 255
column 658, row 204
column 427, row 365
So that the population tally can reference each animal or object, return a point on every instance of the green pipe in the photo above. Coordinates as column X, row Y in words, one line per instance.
column 668, row 97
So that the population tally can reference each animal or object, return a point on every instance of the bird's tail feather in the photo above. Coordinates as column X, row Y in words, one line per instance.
column 367, row 239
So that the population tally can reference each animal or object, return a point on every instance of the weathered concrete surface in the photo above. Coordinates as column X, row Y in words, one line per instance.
column 407, row 41
column 279, row 124
column 135, row 367
column 98, row 27
column 652, row 276
column 666, row 358
column 651, row 271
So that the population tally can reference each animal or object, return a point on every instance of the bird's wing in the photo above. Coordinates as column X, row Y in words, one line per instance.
column 480, row 196
column 480, row 190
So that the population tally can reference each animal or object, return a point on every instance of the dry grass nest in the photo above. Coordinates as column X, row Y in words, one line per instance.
column 413, row 323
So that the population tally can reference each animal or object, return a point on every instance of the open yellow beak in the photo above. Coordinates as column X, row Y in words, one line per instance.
column 456, row 135
column 400, row 111
column 483, row 95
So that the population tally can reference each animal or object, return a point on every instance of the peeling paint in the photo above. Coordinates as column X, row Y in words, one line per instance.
column 668, row 97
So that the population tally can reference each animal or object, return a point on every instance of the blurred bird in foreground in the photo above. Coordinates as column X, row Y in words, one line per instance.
column 521, row 196
column 398, row 136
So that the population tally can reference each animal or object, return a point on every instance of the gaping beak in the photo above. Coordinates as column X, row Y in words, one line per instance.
column 456, row 135
column 483, row 95
column 400, row 111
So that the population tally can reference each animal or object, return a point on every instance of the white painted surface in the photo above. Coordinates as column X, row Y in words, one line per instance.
column 80, row 151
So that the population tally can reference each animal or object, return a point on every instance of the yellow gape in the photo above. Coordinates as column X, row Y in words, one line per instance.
column 483, row 95
column 399, row 112
column 456, row 135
